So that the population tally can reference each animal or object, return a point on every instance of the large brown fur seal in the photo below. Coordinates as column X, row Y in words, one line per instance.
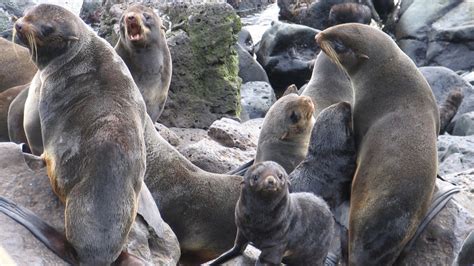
column 295, row 228
column 91, row 114
column 6, row 98
column 17, row 67
column 286, row 131
column 198, row 205
column 396, row 122
column 329, row 84
column 142, row 45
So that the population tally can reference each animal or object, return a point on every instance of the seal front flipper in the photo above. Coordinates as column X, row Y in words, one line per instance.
column 239, row 247
column 52, row 239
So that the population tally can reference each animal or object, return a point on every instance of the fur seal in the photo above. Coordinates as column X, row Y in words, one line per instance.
column 449, row 108
column 92, row 122
column 142, row 45
column 203, row 220
column 329, row 84
column 286, row 131
column 294, row 228
column 17, row 67
column 349, row 12
column 466, row 254
column 16, row 131
column 6, row 98
column 396, row 122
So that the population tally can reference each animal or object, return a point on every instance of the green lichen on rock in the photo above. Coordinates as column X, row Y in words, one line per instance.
column 205, row 85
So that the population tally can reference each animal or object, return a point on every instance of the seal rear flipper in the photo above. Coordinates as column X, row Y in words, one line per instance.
column 241, row 170
column 50, row 237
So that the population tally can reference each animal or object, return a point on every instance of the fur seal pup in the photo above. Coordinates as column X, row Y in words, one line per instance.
column 6, row 98
column 92, row 123
column 17, row 67
column 396, row 122
column 286, row 131
column 142, row 45
column 329, row 84
column 16, row 131
column 349, row 12
column 294, row 228
column 203, row 220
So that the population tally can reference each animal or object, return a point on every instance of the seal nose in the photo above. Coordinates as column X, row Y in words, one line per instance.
column 270, row 180
column 131, row 18
column 318, row 38
column 19, row 26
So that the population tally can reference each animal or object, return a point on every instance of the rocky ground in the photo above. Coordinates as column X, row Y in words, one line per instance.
column 223, row 83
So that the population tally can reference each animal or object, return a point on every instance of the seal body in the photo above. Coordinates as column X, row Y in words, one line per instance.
column 329, row 84
column 6, row 98
column 17, row 68
column 142, row 45
column 91, row 116
column 286, row 131
column 294, row 228
column 198, row 205
column 16, row 131
column 396, row 122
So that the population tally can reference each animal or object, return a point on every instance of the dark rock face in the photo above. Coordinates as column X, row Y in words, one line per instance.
column 249, row 68
column 286, row 52
column 444, row 81
column 437, row 32
column 205, row 85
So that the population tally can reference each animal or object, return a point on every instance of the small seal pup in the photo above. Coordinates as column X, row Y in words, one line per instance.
column 17, row 68
column 92, row 124
column 286, row 131
column 142, row 45
column 295, row 228
column 396, row 122
column 329, row 84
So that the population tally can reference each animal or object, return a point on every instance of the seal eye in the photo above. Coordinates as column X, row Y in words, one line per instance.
column 147, row 16
column 280, row 176
column 46, row 30
column 255, row 178
column 339, row 47
column 294, row 117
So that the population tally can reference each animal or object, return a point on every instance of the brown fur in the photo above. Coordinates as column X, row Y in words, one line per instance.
column 17, row 68
column 6, row 98
column 396, row 122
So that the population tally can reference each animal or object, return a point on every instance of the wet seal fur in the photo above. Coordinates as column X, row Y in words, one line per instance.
column 142, row 45
column 92, row 123
column 329, row 84
column 198, row 205
column 396, row 122
column 286, row 131
column 328, row 168
column 295, row 228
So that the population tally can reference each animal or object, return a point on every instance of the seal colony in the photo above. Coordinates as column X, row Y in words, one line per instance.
column 396, row 122
column 91, row 115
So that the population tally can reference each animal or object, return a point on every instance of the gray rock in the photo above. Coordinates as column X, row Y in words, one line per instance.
column 443, row 81
column 205, row 84
column 455, row 153
column 469, row 77
column 23, row 180
column 249, row 68
column 286, row 52
column 257, row 98
column 233, row 134
column 210, row 156
column 188, row 136
column 437, row 32
column 168, row 134
column 464, row 125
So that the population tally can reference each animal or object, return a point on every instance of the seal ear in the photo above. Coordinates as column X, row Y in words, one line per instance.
column 291, row 89
column 72, row 38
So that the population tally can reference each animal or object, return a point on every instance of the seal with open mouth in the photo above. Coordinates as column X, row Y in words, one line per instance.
column 142, row 45
column 91, row 116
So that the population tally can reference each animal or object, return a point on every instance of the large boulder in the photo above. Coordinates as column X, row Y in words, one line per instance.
column 437, row 32
column 443, row 81
column 287, row 53
column 455, row 154
column 205, row 85
column 23, row 180
column 256, row 98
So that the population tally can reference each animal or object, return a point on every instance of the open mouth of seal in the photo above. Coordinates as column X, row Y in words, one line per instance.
column 134, row 31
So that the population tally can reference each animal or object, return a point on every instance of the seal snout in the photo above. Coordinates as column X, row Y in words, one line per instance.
column 270, row 183
column 306, row 101
column 133, row 26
